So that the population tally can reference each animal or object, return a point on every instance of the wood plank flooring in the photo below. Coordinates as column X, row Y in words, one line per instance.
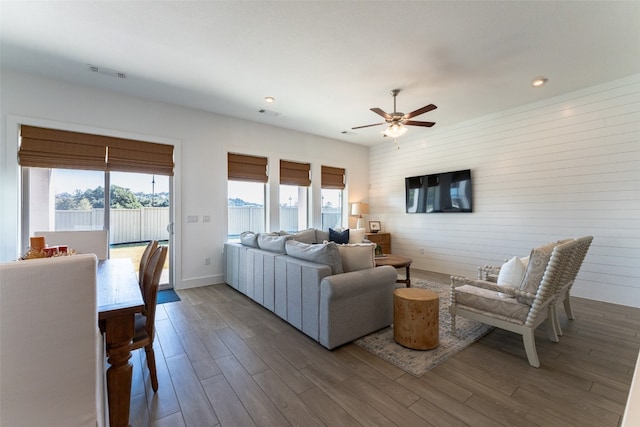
column 223, row 360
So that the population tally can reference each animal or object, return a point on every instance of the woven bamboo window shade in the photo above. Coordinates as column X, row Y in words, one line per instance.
column 293, row 173
column 52, row 148
column 247, row 168
column 333, row 178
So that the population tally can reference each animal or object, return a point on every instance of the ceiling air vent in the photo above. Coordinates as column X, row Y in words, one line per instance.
column 269, row 112
column 107, row 71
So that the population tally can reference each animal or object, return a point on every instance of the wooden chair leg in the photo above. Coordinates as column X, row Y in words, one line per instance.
column 553, row 326
column 151, row 364
column 529, row 341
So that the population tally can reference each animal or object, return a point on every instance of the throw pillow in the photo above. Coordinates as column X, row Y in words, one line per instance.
column 273, row 243
column 538, row 260
column 340, row 237
column 511, row 275
column 323, row 253
column 358, row 256
column 356, row 235
column 306, row 236
column 249, row 238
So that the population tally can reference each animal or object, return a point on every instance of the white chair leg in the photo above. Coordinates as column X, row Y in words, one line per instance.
column 453, row 324
column 567, row 306
column 552, row 324
column 556, row 322
column 529, row 341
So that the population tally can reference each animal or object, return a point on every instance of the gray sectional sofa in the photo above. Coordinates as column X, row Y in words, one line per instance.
column 332, row 293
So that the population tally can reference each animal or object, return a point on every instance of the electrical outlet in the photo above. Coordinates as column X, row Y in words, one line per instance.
column 192, row 218
column 421, row 251
column 207, row 261
column 206, row 218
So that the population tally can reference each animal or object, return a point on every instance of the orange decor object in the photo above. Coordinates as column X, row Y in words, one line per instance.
column 37, row 243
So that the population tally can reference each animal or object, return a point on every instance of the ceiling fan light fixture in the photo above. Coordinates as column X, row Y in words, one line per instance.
column 395, row 130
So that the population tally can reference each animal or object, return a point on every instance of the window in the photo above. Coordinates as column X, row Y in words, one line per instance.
column 295, row 179
column 247, row 176
column 333, row 183
column 293, row 208
column 245, row 207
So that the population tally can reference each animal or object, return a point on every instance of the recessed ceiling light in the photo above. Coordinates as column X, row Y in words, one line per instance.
column 269, row 99
column 539, row 81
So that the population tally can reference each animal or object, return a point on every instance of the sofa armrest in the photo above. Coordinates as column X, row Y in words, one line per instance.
column 354, row 283
column 355, row 304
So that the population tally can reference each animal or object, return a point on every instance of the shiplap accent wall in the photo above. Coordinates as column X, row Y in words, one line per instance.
column 563, row 167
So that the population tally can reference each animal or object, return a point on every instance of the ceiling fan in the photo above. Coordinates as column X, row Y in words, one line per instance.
column 398, row 121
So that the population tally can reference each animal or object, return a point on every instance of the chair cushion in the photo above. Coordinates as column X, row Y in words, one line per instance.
column 511, row 275
column 322, row 253
column 538, row 260
column 358, row 256
column 485, row 300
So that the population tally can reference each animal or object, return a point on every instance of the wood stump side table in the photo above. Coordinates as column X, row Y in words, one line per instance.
column 416, row 318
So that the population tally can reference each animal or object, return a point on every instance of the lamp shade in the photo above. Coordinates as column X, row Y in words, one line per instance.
column 359, row 208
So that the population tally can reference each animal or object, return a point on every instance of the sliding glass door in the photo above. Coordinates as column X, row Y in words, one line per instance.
column 74, row 199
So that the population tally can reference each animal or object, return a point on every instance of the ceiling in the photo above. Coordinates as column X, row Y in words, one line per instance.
column 327, row 62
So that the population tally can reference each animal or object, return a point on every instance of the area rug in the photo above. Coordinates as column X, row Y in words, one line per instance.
column 418, row 362
column 168, row 295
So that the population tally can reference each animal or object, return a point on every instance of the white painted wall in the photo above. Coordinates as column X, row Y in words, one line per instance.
column 564, row 167
column 202, row 141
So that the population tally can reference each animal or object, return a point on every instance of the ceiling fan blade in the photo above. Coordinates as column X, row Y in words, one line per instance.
column 419, row 111
column 381, row 113
column 416, row 123
column 366, row 126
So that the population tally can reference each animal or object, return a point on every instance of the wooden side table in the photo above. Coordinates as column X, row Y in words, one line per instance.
column 382, row 239
column 416, row 318
column 397, row 261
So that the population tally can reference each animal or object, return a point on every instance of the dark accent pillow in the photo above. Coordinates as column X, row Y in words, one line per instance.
column 340, row 237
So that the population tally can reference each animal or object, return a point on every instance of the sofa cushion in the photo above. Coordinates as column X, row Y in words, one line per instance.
column 511, row 275
column 356, row 235
column 321, row 236
column 273, row 243
column 340, row 237
column 322, row 253
column 357, row 256
column 306, row 236
column 249, row 238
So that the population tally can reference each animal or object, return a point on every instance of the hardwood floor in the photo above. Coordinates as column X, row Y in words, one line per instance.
column 223, row 360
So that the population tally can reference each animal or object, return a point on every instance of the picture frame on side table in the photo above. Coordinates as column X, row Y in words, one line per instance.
column 375, row 226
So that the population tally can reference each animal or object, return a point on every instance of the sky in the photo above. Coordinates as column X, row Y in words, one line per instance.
column 70, row 180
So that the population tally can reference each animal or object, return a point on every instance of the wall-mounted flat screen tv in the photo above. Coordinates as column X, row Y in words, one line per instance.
column 439, row 192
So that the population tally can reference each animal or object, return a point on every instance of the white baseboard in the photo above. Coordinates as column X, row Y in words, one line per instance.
column 200, row 281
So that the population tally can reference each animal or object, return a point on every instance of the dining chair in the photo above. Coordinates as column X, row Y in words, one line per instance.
column 144, row 260
column 145, row 321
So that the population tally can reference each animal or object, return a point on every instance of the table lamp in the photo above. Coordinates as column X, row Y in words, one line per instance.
column 358, row 209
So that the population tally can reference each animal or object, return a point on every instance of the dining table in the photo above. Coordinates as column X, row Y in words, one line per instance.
column 119, row 299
